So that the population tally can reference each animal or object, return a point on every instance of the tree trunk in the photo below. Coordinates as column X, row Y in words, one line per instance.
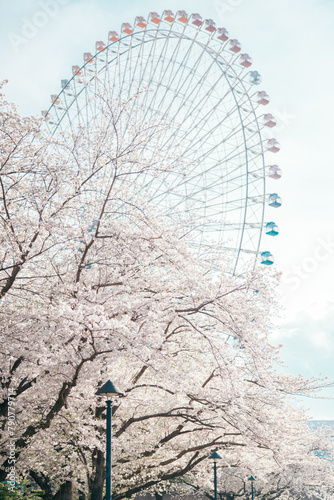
column 43, row 482
column 65, row 491
column 96, row 484
column 158, row 496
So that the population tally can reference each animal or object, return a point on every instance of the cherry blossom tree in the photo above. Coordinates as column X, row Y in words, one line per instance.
column 96, row 284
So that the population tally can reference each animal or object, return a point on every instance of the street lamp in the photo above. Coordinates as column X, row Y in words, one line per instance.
column 109, row 390
column 252, row 479
column 215, row 457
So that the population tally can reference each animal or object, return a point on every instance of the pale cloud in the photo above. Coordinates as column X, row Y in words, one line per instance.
column 308, row 349
column 308, row 340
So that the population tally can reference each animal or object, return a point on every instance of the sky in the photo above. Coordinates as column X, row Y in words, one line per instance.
column 291, row 43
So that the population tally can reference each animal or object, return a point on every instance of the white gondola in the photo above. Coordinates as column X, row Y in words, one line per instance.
column 126, row 28
column 222, row 34
column 100, row 46
column 88, row 58
column 168, row 16
column 273, row 145
column 45, row 114
column 235, row 46
column 154, row 18
column 246, row 60
column 262, row 98
column 210, row 25
column 182, row 16
column 269, row 120
column 196, row 19
column 54, row 99
column 140, row 22
column 76, row 71
column 113, row 36
column 275, row 172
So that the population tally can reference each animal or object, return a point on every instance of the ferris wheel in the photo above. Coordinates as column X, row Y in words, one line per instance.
column 198, row 78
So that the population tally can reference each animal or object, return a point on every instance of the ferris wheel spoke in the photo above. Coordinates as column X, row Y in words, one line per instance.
column 171, row 72
column 168, row 70
column 185, row 79
column 208, row 169
column 189, row 78
column 198, row 175
column 144, row 70
column 206, row 95
column 195, row 127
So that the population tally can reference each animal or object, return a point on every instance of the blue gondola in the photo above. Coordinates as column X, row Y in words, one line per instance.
column 267, row 258
column 255, row 77
column 274, row 200
column 272, row 229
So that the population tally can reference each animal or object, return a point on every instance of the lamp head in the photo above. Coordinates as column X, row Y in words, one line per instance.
column 215, row 456
column 108, row 389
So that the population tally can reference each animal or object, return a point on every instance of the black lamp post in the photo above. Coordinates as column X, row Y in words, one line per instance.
column 252, row 479
column 109, row 390
column 215, row 457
